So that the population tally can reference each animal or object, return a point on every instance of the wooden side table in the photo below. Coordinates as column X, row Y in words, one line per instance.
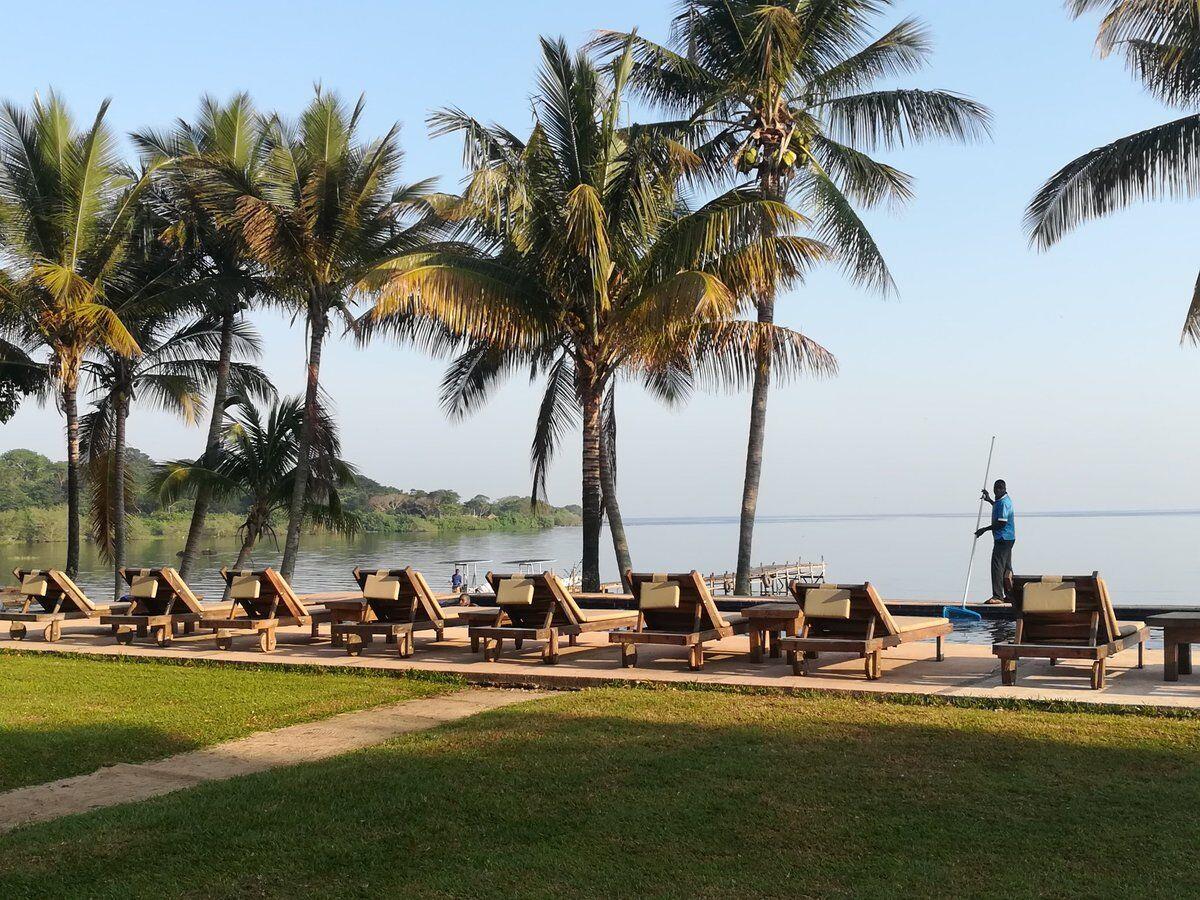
column 768, row 622
column 1180, row 631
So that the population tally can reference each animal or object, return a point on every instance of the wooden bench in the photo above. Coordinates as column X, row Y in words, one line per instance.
column 49, row 597
column 675, row 610
column 265, row 601
column 396, row 603
column 1067, row 617
column 539, row 608
column 852, row 618
column 161, row 605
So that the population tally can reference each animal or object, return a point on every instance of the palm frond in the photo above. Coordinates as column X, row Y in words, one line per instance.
column 1160, row 162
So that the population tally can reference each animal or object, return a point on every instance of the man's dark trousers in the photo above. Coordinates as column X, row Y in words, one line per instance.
column 1002, row 569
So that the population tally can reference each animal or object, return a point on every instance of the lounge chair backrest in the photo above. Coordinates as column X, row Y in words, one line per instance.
column 259, row 592
column 692, row 611
column 399, row 595
column 549, row 604
column 1047, row 615
column 844, row 610
column 158, row 591
column 54, row 591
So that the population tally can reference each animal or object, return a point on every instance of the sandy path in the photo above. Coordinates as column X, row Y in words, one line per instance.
column 125, row 783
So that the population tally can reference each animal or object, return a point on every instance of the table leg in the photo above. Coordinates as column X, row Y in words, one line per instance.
column 1185, row 658
column 1170, row 660
column 775, row 651
column 756, row 639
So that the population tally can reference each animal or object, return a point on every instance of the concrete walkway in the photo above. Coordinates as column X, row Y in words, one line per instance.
column 265, row 750
column 969, row 670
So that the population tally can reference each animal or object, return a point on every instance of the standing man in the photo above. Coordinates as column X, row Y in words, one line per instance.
column 456, row 581
column 1004, row 535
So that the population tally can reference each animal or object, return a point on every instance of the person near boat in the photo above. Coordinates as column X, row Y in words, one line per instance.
column 1004, row 536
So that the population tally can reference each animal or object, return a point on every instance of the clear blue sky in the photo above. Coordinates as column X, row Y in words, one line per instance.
column 1071, row 357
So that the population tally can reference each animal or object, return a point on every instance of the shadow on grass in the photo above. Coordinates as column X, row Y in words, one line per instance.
column 627, row 792
column 35, row 755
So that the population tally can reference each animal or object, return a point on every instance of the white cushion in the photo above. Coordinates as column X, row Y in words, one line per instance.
column 35, row 585
column 381, row 586
column 828, row 602
column 245, row 587
column 515, row 591
column 143, row 587
column 1049, row 597
column 658, row 595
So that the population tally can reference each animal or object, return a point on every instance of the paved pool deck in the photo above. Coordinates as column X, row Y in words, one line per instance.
column 968, row 670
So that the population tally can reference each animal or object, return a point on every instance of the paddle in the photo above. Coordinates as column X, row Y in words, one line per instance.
column 961, row 612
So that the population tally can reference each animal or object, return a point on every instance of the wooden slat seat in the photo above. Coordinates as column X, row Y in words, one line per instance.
column 539, row 608
column 676, row 610
column 48, row 597
column 852, row 618
column 260, row 601
column 1067, row 617
column 400, row 602
column 160, row 602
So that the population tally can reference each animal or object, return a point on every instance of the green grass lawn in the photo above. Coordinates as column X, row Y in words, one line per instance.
column 61, row 716
column 670, row 793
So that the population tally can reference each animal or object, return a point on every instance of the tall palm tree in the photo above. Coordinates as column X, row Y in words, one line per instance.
column 1161, row 43
column 179, row 362
column 325, row 213
column 573, row 254
column 228, row 135
column 259, row 459
column 785, row 93
column 67, row 207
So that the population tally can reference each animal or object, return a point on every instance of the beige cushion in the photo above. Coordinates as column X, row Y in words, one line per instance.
column 1049, row 597
column 143, row 587
column 828, row 602
column 600, row 615
column 245, row 587
column 35, row 585
column 381, row 586
column 916, row 623
column 658, row 595
column 515, row 591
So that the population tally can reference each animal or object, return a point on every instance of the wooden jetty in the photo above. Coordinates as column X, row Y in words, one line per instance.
column 770, row 581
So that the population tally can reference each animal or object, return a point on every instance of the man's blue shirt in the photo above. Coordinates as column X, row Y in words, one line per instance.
column 1004, row 520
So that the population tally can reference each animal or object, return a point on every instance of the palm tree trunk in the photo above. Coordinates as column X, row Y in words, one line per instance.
column 291, row 546
column 120, row 413
column 612, row 509
column 592, row 491
column 71, row 411
column 771, row 186
column 204, row 495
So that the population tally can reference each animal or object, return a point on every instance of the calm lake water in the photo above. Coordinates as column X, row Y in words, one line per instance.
column 1145, row 557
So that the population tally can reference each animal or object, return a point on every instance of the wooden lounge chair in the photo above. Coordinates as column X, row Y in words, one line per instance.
column 400, row 602
column 851, row 618
column 676, row 610
column 57, row 599
column 1067, row 617
column 266, row 601
column 540, row 608
column 160, row 602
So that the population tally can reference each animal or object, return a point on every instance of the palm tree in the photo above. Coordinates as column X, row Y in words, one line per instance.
column 325, row 212
column 228, row 135
column 178, row 363
column 1161, row 44
column 784, row 91
column 574, row 255
column 66, row 211
column 258, row 459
